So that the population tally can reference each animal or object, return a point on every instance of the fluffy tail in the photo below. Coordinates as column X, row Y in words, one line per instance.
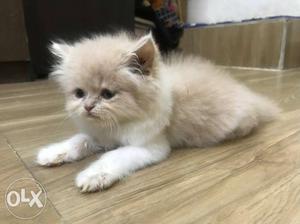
column 267, row 110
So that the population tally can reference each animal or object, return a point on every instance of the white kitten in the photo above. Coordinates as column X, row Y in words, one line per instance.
column 124, row 97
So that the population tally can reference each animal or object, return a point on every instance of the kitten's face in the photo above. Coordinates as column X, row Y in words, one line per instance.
column 103, row 80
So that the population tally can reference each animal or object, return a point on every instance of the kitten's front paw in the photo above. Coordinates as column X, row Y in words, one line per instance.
column 91, row 180
column 52, row 155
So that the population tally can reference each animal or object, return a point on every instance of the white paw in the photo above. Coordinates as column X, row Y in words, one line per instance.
column 91, row 180
column 52, row 155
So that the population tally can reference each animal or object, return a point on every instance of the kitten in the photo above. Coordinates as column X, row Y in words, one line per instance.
column 125, row 98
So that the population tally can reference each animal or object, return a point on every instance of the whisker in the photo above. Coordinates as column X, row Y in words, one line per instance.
column 110, row 122
column 68, row 116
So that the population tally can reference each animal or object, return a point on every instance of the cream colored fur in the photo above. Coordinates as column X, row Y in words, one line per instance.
column 158, row 104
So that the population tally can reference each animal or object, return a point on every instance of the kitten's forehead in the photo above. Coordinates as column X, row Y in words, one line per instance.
column 99, row 62
column 96, row 62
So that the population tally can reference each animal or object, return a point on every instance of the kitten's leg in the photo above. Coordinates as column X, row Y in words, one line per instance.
column 118, row 163
column 75, row 148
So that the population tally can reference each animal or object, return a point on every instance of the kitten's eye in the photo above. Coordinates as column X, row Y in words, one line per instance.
column 79, row 93
column 107, row 94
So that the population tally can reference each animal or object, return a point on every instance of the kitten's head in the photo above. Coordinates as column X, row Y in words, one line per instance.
column 111, row 79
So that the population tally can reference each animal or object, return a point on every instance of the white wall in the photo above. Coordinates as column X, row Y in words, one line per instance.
column 214, row 11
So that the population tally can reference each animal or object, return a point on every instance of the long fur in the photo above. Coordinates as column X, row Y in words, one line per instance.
column 159, row 104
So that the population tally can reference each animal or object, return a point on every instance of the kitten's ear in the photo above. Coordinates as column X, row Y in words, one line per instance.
column 61, row 50
column 145, row 53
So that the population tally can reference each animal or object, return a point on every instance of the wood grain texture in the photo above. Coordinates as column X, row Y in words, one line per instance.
column 292, row 53
column 255, row 44
column 13, row 168
column 250, row 180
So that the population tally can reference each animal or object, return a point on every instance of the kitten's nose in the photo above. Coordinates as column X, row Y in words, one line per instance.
column 88, row 108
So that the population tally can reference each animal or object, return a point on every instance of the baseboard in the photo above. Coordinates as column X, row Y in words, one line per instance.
column 264, row 44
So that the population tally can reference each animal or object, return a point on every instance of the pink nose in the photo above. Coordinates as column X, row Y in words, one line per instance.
column 88, row 108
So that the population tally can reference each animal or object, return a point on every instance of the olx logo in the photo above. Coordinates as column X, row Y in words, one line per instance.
column 25, row 198
column 21, row 197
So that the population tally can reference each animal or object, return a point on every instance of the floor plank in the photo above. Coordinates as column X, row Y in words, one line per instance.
column 13, row 168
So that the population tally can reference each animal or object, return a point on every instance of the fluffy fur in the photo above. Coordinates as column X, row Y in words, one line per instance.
column 153, row 105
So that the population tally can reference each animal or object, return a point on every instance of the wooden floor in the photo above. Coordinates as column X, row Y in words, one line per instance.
column 251, row 180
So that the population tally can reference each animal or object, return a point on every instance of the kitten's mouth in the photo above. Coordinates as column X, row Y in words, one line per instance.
column 90, row 115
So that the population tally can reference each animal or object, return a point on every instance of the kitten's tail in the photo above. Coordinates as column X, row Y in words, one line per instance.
column 266, row 109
